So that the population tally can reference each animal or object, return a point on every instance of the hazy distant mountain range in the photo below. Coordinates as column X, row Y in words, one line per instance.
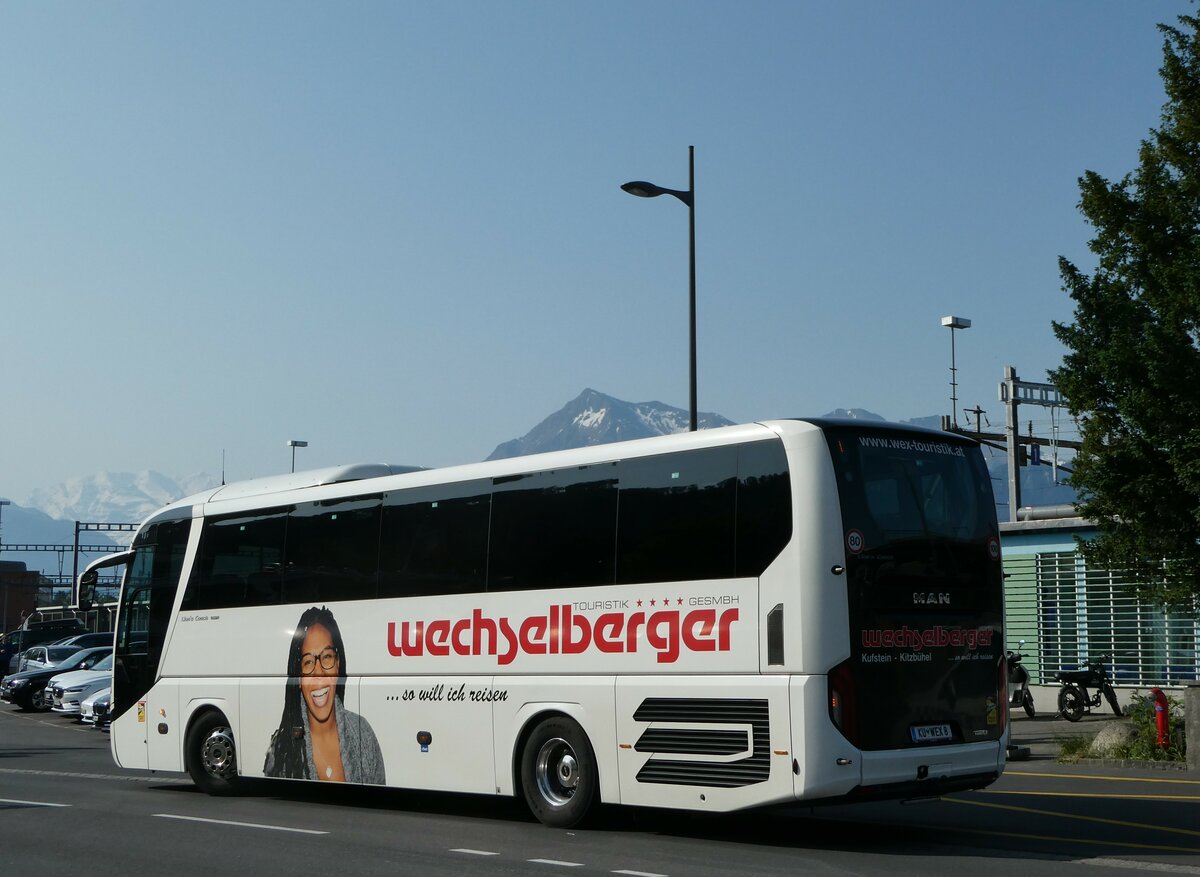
column 591, row 418
column 116, row 496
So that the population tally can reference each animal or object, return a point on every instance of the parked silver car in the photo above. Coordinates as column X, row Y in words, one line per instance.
column 40, row 657
column 67, row 691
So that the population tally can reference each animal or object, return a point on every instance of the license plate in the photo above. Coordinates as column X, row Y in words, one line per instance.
column 931, row 733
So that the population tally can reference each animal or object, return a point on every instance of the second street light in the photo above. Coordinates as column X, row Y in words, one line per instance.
column 293, row 444
column 952, row 322
column 648, row 190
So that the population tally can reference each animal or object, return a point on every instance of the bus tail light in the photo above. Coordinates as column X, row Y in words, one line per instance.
column 1002, row 694
column 843, row 704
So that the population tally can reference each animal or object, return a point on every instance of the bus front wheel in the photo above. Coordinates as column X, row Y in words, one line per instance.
column 558, row 773
column 211, row 756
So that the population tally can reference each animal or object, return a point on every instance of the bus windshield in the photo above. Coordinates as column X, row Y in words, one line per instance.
column 151, row 580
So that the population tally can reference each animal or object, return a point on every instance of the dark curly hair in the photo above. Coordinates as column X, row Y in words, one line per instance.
column 285, row 755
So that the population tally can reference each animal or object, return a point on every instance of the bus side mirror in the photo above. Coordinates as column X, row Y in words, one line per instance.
column 87, row 589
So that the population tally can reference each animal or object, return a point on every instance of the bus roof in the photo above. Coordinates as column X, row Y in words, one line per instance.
column 253, row 493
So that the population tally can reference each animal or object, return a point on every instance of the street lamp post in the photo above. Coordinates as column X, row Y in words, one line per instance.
column 953, row 323
column 293, row 444
column 648, row 190
column 4, row 620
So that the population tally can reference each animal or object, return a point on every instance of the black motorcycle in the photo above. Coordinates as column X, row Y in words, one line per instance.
column 1018, row 683
column 1076, row 698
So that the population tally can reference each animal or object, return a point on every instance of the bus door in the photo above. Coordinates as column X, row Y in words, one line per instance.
column 142, row 725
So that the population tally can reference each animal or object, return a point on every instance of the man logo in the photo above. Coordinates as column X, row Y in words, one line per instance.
column 931, row 598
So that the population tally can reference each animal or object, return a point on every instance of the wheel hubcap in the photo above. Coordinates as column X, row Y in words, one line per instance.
column 556, row 771
column 217, row 753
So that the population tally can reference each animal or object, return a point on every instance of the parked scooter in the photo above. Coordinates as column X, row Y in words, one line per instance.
column 1076, row 698
column 1018, row 682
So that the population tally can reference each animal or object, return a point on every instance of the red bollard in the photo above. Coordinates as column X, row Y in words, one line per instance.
column 1162, row 717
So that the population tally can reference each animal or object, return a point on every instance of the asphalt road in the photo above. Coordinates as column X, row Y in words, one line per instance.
column 65, row 807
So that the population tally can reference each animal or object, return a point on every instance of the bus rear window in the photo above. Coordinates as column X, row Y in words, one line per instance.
column 899, row 487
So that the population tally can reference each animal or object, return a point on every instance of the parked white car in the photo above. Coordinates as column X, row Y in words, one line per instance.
column 68, row 690
column 88, row 707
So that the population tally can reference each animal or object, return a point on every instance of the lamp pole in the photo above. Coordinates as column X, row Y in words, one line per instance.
column 293, row 444
column 642, row 189
column 952, row 323
column 4, row 620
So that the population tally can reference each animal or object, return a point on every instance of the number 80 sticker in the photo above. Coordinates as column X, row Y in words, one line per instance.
column 855, row 541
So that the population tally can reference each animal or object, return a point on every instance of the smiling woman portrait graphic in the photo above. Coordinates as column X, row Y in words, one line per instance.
column 318, row 738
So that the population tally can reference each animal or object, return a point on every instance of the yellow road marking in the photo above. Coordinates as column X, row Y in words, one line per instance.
column 1074, row 840
column 1124, row 797
column 1084, row 776
column 1080, row 817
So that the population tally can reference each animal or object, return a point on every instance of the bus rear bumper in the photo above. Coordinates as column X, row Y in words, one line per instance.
column 910, row 790
column 926, row 773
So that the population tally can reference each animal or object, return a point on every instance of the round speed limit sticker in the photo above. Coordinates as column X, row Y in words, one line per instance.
column 855, row 541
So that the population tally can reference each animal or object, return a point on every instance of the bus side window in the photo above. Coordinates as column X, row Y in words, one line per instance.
column 764, row 506
column 332, row 551
column 240, row 562
column 435, row 541
column 556, row 528
column 676, row 516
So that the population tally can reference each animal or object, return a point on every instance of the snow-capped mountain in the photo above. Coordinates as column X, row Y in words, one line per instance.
column 47, row 518
column 853, row 414
column 592, row 418
column 116, row 496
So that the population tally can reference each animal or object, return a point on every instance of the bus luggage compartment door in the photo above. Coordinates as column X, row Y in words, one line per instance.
column 704, row 743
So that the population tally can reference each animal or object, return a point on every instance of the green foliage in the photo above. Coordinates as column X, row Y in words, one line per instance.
column 1132, row 373
column 1145, row 745
column 1074, row 748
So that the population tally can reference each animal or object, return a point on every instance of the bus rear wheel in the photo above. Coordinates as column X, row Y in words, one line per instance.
column 558, row 773
column 211, row 755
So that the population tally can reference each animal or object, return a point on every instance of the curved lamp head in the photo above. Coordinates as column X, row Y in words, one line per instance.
column 648, row 190
column 642, row 189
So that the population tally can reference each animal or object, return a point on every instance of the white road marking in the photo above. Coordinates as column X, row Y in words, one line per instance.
column 474, row 852
column 556, row 862
column 31, row 803
column 155, row 778
column 640, row 873
column 1139, row 865
column 239, row 824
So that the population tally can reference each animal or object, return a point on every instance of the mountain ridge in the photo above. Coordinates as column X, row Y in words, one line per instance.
column 594, row 418
column 591, row 418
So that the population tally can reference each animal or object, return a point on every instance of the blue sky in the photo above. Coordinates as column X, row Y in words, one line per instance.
column 394, row 230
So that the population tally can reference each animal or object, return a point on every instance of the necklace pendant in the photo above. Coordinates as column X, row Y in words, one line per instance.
column 328, row 772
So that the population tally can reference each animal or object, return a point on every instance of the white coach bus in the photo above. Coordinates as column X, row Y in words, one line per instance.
column 795, row 610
